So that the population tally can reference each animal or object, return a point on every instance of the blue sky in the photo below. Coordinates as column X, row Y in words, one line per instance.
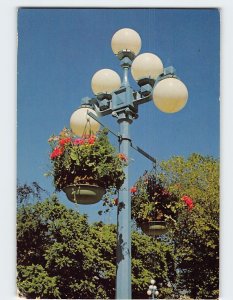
column 59, row 50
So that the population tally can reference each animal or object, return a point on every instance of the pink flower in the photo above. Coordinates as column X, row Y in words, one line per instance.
column 79, row 142
column 91, row 139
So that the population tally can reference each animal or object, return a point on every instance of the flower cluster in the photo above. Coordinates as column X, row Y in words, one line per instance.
column 151, row 201
column 188, row 201
column 133, row 190
column 63, row 139
column 90, row 159
column 59, row 149
column 88, row 140
column 122, row 156
column 56, row 152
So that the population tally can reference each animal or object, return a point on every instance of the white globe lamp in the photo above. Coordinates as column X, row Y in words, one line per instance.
column 152, row 281
column 81, row 121
column 146, row 65
column 170, row 95
column 105, row 81
column 126, row 39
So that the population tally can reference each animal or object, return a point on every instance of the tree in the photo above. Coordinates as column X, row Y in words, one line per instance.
column 56, row 241
column 61, row 256
column 28, row 193
column 196, row 234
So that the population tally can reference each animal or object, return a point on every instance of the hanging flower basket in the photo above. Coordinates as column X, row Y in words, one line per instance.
column 84, row 193
column 153, row 207
column 85, row 168
column 154, row 228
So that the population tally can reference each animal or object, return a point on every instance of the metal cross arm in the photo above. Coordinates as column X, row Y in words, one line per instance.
column 141, row 151
column 118, row 135
column 97, row 120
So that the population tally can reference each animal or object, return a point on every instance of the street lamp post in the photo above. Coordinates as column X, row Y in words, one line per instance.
column 116, row 97
column 152, row 291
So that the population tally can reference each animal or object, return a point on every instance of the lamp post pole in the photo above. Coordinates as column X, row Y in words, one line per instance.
column 123, row 276
column 116, row 97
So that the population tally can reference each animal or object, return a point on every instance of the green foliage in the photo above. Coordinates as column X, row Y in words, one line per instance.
column 151, row 258
column 151, row 201
column 196, row 235
column 61, row 256
column 36, row 281
column 27, row 193
column 49, row 235
column 89, row 159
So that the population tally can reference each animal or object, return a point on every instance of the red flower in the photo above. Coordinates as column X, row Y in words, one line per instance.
column 133, row 189
column 91, row 139
column 64, row 141
column 115, row 201
column 56, row 152
column 122, row 156
column 190, row 206
column 188, row 201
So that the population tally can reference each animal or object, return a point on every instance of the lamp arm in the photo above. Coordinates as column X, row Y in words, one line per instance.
column 140, row 100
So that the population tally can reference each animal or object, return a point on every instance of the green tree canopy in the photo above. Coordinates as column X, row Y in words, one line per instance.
column 196, row 234
column 61, row 256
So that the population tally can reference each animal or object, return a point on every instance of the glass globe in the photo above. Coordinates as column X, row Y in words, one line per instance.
column 152, row 281
column 156, row 293
column 80, row 121
column 105, row 81
column 126, row 39
column 146, row 65
column 170, row 95
column 149, row 292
